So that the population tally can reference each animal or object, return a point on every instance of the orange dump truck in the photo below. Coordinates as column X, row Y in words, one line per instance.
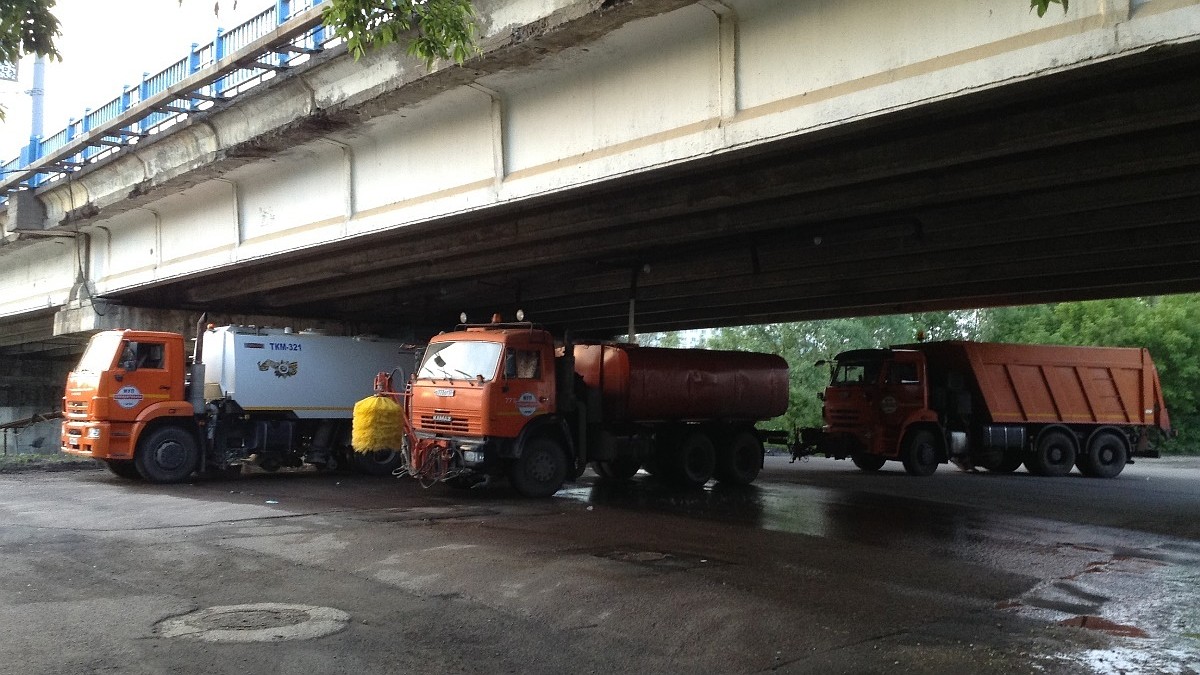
column 506, row 399
column 991, row 405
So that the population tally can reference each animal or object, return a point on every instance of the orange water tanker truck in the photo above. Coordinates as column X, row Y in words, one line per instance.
column 508, row 399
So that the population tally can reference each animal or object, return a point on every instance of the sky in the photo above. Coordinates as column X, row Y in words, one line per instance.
column 106, row 44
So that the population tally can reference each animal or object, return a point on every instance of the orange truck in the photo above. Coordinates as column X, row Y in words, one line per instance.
column 506, row 399
column 990, row 405
column 249, row 395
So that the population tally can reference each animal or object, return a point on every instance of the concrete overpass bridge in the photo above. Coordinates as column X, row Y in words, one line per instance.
column 717, row 161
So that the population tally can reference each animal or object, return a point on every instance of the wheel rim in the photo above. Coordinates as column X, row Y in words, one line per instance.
column 926, row 454
column 170, row 455
column 1055, row 455
column 1107, row 455
column 540, row 467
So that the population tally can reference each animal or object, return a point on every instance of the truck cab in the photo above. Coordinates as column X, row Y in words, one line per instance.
column 125, row 380
column 483, row 391
column 875, row 399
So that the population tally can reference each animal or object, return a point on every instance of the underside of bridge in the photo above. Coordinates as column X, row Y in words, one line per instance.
column 1079, row 185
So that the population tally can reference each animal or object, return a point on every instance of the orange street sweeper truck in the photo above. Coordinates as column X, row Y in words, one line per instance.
column 269, row 397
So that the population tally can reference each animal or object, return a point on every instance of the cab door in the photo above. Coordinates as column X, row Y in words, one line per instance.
column 902, row 395
column 527, row 386
column 140, row 379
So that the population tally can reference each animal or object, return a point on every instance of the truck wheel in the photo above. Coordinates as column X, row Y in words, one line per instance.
column 167, row 455
column 868, row 463
column 378, row 463
column 123, row 468
column 694, row 460
column 920, row 454
column 1106, row 456
column 1054, row 455
column 540, row 470
column 617, row 469
column 740, row 463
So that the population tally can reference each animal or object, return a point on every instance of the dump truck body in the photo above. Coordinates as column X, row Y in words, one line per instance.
column 1032, row 384
column 505, row 399
column 991, row 405
column 266, row 396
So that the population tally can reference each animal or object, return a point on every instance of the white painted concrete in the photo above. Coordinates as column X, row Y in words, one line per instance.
column 653, row 92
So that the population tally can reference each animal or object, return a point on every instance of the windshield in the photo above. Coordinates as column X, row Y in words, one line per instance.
column 101, row 351
column 460, row 361
column 856, row 372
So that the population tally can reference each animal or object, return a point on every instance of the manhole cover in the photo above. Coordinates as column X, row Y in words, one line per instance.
column 259, row 622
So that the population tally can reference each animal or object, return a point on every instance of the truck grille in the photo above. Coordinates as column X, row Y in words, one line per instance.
column 442, row 423
column 77, row 409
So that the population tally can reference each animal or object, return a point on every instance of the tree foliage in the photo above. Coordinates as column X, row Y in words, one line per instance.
column 27, row 27
column 432, row 29
column 1042, row 5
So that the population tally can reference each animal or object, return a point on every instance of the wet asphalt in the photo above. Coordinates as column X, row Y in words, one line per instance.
column 818, row 568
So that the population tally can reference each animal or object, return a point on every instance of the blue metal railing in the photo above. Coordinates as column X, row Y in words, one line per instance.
column 210, row 73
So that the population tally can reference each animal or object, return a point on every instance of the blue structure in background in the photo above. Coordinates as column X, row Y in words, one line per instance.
column 232, row 80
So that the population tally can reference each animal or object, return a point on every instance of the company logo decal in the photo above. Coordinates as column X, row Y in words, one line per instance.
column 128, row 397
column 527, row 404
column 889, row 405
column 280, row 368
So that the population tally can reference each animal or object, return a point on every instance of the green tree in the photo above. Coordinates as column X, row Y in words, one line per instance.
column 1042, row 5
column 27, row 27
column 432, row 29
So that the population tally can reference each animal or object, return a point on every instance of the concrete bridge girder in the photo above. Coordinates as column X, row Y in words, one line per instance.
column 715, row 140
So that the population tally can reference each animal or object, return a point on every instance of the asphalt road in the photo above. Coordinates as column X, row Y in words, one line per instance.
column 819, row 568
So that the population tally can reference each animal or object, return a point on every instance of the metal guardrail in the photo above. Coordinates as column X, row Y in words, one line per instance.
column 280, row 37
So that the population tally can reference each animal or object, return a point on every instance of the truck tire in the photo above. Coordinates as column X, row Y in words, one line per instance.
column 123, row 468
column 540, row 470
column 167, row 455
column 617, row 469
column 694, row 460
column 1106, row 456
column 868, row 463
column 1053, row 454
column 378, row 463
column 920, row 453
column 740, row 461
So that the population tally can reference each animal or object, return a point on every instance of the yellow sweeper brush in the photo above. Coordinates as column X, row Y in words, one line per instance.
column 378, row 425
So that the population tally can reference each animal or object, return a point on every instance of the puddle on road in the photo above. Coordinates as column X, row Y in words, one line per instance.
column 853, row 516
column 1120, row 582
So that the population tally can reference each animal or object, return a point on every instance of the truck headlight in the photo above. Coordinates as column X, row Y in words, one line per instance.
column 472, row 456
column 94, row 432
